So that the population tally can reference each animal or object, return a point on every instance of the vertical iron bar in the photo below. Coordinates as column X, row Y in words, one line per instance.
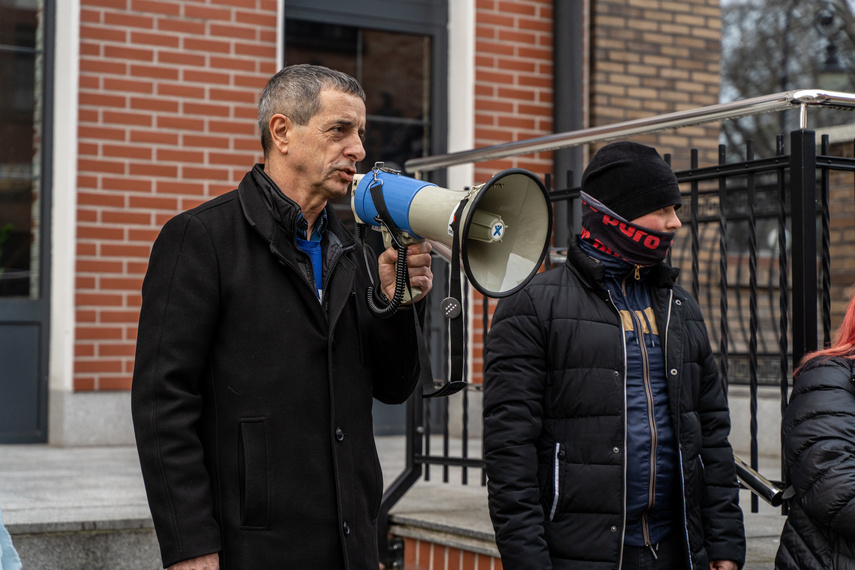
column 667, row 158
column 445, row 438
column 826, row 248
column 738, row 319
column 427, row 403
column 486, row 322
column 464, row 474
column 399, row 487
column 694, row 227
column 803, row 208
column 783, row 287
column 722, row 228
column 752, row 309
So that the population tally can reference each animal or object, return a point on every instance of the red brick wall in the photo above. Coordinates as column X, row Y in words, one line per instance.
column 168, row 100
column 513, row 98
column 648, row 57
column 425, row 555
column 168, row 94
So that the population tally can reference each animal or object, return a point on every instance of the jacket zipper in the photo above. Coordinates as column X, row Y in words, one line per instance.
column 679, row 445
column 556, row 480
column 651, row 419
column 683, row 499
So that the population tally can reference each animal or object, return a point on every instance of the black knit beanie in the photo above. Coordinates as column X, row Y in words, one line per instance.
column 631, row 179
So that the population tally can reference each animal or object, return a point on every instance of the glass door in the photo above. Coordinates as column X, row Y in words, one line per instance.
column 23, row 229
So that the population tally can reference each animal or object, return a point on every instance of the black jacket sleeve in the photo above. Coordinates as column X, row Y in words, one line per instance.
column 177, row 320
column 724, row 534
column 818, row 433
column 514, row 380
column 393, row 344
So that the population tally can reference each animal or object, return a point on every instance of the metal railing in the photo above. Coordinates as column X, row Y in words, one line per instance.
column 802, row 98
column 778, row 333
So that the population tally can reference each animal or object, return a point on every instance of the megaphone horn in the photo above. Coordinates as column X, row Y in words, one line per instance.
column 505, row 224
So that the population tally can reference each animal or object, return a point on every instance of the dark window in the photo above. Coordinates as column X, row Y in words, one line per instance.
column 393, row 69
column 20, row 150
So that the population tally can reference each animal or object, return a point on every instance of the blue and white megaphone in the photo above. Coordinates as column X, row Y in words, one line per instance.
column 504, row 225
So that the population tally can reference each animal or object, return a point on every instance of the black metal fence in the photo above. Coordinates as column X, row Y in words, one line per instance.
column 758, row 258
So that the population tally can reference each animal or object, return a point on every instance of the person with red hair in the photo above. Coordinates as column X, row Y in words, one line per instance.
column 818, row 434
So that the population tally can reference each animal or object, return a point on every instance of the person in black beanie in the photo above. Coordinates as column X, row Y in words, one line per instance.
column 605, row 420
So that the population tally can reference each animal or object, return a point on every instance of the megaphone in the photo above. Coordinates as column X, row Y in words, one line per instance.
column 504, row 225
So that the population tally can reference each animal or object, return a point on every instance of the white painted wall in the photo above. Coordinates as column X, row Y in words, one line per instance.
column 63, row 215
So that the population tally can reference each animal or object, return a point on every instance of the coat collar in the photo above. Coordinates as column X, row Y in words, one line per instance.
column 594, row 273
column 274, row 215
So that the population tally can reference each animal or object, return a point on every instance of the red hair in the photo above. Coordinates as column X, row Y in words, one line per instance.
column 842, row 346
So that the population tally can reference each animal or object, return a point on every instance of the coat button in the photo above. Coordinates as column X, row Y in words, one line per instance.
column 346, row 528
column 678, row 302
column 613, row 529
column 673, row 372
column 616, row 449
column 339, row 434
column 561, row 454
column 617, row 372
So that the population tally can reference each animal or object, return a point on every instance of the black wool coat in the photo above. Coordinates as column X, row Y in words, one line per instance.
column 818, row 433
column 251, row 400
column 555, row 423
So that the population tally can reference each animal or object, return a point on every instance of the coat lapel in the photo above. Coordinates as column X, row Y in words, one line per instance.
column 339, row 261
column 274, row 217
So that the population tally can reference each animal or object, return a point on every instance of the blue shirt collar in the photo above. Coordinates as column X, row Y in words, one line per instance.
column 317, row 232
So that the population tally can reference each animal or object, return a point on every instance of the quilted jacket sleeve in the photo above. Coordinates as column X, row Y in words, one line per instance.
column 514, row 377
column 724, row 534
column 818, row 432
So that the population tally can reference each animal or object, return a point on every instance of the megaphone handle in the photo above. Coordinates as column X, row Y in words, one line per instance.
column 401, row 280
column 411, row 294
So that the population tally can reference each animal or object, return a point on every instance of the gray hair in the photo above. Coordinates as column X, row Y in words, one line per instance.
column 295, row 92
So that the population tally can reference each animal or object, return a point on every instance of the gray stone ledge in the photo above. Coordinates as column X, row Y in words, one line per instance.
column 446, row 514
column 487, row 547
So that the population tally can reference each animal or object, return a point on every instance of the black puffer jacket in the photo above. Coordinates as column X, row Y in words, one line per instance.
column 818, row 432
column 554, row 423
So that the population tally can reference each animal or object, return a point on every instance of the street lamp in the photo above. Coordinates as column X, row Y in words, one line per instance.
column 832, row 76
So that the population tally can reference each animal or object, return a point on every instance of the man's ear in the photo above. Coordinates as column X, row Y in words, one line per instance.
column 280, row 128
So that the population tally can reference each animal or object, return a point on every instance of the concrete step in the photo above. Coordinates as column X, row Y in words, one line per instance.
column 79, row 508
column 84, row 508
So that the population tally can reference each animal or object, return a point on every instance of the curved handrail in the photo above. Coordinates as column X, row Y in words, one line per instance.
column 802, row 98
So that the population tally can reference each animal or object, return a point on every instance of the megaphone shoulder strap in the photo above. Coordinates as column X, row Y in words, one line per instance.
column 456, row 319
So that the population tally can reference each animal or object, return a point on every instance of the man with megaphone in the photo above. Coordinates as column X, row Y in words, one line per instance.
column 258, row 357
column 605, row 419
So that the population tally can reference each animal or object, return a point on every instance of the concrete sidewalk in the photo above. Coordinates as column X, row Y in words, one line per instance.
column 86, row 506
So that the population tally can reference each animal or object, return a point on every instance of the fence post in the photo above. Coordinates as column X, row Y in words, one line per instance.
column 804, row 248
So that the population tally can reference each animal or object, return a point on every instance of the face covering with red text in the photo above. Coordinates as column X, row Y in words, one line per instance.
column 611, row 234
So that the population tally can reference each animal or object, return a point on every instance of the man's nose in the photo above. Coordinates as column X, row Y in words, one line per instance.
column 355, row 151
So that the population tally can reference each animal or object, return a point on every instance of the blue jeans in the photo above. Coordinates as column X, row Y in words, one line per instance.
column 667, row 555
column 9, row 559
